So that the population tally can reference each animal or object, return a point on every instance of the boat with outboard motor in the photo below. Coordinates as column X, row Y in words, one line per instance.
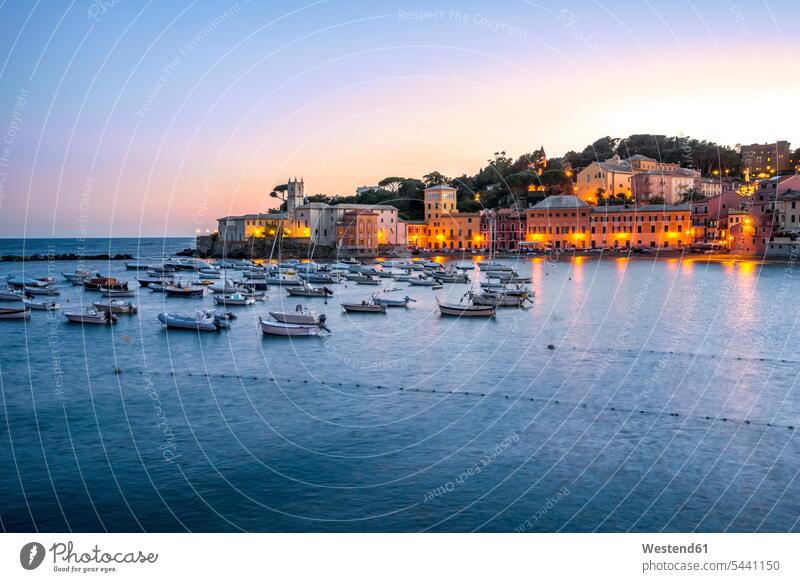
column 289, row 329
column 100, row 283
column 235, row 299
column 90, row 316
column 40, row 305
column 116, row 306
column 386, row 301
column 300, row 315
column 366, row 306
column 309, row 291
column 15, row 313
column 466, row 310
column 203, row 320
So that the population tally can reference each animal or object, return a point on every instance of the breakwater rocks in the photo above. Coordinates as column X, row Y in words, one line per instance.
column 64, row 257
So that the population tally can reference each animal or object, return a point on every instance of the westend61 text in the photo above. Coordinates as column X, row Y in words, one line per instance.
column 672, row 549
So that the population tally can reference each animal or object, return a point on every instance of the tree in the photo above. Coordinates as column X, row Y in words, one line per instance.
column 656, row 200
column 691, row 195
column 391, row 183
column 434, row 179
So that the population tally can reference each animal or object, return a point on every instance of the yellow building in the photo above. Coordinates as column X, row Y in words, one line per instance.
column 445, row 227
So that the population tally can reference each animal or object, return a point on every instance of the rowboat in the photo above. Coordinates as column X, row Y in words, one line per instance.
column 394, row 302
column 40, row 305
column 99, row 283
column 22, row 313
column 366, row 306
column 137, row 266
column 309, row 291
column 160, row 270
column 498, row 299
column 90, row 316
column 204, row 320
column 451, row 277
column 12, row 295
column 288, row 329
column 225, row 287
column 115, row 306
column 367, row 280
column 282, row 280
column 318, row 278
column 180, row 291
column 117, row 292
column 459, row 310
column 50, row 291
column 234, row 299
column 78, row 276
column 147, row 281
column 300, row 316
column 20, row 282
column 402, row 278
column 422, row 281
column 208, row 274
column 494, row 266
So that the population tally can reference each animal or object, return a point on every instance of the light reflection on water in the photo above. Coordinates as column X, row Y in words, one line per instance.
column 317, row 434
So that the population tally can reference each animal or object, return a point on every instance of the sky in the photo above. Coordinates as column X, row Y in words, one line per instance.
column 124, row 118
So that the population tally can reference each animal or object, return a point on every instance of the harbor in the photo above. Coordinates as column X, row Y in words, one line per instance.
column 375, row 422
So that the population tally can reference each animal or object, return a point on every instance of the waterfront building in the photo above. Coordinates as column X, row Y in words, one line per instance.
column 508, row 230
column 766, row 208
column 669, row 185
column 764, row 160
column 709, row 210
column 318, row 221
column 566, row 222
column 239, row 228
column 445, row 226
column 358, row 230
column 614, row 176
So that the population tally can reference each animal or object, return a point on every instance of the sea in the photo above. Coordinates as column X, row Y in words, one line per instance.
column 640, row 394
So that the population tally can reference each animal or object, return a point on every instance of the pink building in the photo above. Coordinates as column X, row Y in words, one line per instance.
column 765, row 195
column 670, row 185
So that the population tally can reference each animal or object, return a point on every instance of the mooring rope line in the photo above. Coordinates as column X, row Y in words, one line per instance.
column 538, row 399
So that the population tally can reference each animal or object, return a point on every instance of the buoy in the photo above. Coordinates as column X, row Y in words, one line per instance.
column 551, row 347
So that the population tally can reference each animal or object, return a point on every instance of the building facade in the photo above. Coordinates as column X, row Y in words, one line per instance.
column 358, row 230
column 763, row 160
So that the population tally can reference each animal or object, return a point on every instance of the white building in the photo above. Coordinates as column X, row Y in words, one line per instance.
column 318, row 221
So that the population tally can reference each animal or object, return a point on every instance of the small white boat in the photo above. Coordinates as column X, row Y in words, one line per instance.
column 367, row 280
column 114, row 306
column 204, row 320
column 309, row 291
column 451, row 277
column 422, row 281
column 12, row 295
column 208, row 274
column 137, row 266
column 40, row 305
column 394, row 302
column 14, row 313
column 300, row 316
column 494, row 266
column 459, row 310
column 90, row 316
column 50, row 291
column 183, row 291
column 498, row 299
column 402, row 277
column 78, row 276
column 318, row 278
column 283, row 280
column 117, row 292
column 366, row 306
column 234, row 299
column 225, row 287
column 288, row 329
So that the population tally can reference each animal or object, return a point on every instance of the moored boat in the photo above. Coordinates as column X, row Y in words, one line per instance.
column 300, row 315
column 204, row 320
column 137, row 266
column 464, row 310
column 21, row 313
column 234, row 299
column 12, row 295
column 117, row 292
column 309, row 291
column 50, row 291
column 90, row 316
column 115, row 306
column 422, row 281
column 394, row 302
column 99, row 283
column 181, row 291
column 366, row 306
column 288, row 329
column 40, row 305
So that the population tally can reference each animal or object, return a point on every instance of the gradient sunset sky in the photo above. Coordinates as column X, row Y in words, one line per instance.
column 155, row 118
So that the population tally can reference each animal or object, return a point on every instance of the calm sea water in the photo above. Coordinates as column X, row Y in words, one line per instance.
column 669, row 403
column 153, row 247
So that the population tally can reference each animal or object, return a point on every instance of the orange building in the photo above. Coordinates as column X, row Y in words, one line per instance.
column 568, row 222
column 358, row 230
column 445, row 227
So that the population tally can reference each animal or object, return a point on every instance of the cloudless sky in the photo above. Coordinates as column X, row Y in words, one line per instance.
column 126, row 118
